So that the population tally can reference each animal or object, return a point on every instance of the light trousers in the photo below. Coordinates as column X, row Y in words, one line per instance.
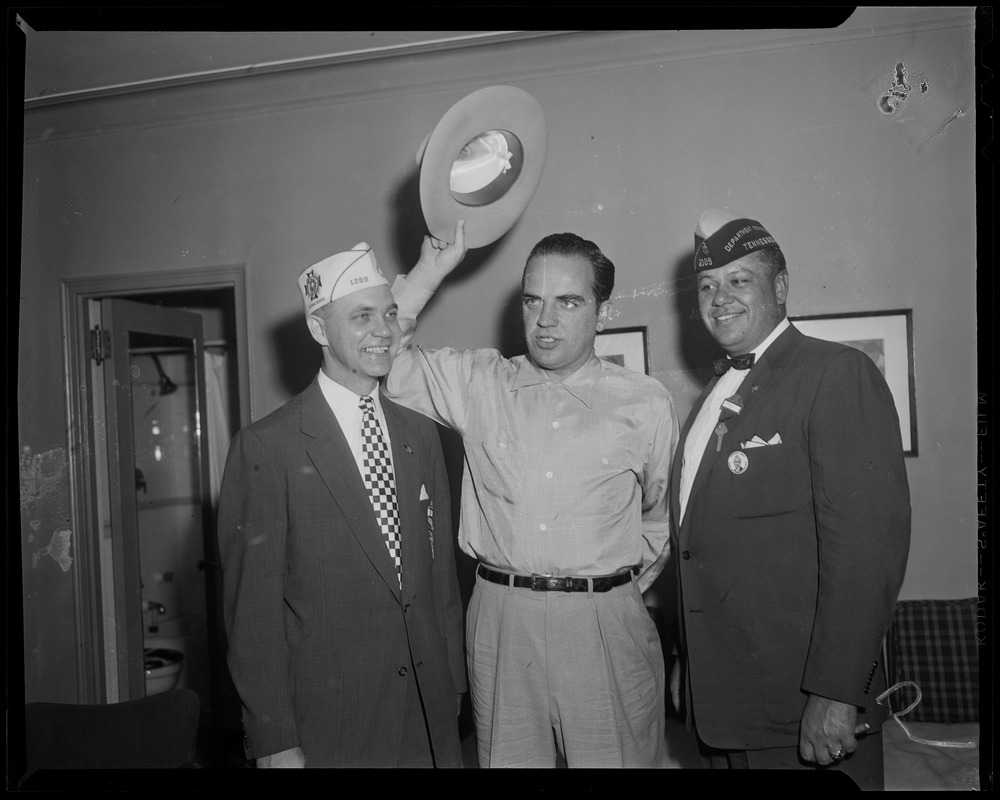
column 580, row 673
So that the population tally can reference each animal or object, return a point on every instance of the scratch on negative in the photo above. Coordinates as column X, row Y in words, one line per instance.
column 958, row 112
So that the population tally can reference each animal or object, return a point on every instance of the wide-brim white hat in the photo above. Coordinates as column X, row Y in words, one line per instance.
column 482, row 163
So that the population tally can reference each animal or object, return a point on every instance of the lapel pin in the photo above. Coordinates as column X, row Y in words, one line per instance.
column 738, row 462
column 406, row 447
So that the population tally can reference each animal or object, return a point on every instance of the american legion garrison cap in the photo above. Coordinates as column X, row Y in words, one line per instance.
column 339, row 275
column 721, row 236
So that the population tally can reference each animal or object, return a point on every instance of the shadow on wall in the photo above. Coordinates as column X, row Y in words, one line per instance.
column 298, row 357
column 408, row 227
column 510, row 329
column 697, row 348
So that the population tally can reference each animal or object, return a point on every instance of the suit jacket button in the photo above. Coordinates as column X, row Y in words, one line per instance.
column 402, row 672
column 686, row 555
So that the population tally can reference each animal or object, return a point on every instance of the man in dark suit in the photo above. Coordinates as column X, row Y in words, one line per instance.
column 341, row 597
column 792, row 522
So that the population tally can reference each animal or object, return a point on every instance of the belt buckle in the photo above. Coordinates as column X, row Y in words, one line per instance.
column 551, row 583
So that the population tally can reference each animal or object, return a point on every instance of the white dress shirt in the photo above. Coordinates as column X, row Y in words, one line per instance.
column 563, row 478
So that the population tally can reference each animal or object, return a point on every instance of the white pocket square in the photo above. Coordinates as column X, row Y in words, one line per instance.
column 423, row 493
column 757, row 441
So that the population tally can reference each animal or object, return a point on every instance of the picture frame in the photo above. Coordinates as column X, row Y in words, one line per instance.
column 624, row 346
column 887, row 338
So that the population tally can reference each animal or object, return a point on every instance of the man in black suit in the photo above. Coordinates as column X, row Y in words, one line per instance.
column 791, row 520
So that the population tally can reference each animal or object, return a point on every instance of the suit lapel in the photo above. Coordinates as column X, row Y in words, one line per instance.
column 756, row 385
column 751, row 390
column 335, row 464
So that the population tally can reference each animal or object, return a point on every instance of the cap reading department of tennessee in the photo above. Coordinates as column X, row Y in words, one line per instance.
column 340, row 275
column 721, row 236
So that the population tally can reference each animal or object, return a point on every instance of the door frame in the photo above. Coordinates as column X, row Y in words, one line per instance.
column 77, row 294
column 123, row 317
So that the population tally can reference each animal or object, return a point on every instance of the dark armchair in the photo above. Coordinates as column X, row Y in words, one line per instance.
column 156, row 732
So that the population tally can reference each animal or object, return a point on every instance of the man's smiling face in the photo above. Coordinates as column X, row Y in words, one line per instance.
column 741, row 302
column 360, row 334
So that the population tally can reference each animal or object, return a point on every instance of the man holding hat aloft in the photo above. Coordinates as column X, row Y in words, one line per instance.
column 343, row 614
column 790, row 513
column 564, row 505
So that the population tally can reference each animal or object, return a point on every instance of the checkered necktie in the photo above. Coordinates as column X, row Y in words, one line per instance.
column 381, row 484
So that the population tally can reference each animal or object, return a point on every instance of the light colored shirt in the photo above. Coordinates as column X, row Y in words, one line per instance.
column 705, row 423
column 344, row 405
column 560, row 479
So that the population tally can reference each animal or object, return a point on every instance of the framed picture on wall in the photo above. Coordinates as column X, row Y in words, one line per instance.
column 887, row 338
column 625, row 347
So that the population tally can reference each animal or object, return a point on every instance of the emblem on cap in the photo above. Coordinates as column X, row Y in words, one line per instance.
column 312, row 285
column 738, row 462
column 704, row 257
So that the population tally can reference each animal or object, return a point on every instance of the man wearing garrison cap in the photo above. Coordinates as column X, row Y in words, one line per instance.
column 342, row 611
column 791, row 517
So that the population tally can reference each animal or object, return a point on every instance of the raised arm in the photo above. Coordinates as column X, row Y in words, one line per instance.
column 412, row 292
column 438, row 258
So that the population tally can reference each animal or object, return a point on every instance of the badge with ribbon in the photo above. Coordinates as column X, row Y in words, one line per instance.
column 733, row 404
column 731, row 407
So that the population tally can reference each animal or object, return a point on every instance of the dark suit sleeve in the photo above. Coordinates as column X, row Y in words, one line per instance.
column 253, row 526
column 446, row 591
column 862, row 508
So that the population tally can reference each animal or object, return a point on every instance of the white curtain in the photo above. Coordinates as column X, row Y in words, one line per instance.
column 217, row 392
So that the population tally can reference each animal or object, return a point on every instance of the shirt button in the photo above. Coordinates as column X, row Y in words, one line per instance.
column 555, row 424
column 402, row 672
column 548, row 474
column 543, row 527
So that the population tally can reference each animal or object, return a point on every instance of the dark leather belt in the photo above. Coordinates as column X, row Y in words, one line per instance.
column 545, row 583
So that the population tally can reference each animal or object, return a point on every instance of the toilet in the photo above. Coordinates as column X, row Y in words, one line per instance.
column 163, row 667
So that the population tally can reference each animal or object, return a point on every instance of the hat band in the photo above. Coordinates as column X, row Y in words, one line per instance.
column 732, row 241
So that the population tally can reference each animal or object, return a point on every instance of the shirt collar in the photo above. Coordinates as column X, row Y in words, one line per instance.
column 758, row 351
column 341, row 399
column 581, row 384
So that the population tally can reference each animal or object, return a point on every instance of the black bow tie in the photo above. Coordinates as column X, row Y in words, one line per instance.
column 744, row 361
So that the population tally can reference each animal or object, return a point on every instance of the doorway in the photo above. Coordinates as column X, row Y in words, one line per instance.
column 163, row 362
